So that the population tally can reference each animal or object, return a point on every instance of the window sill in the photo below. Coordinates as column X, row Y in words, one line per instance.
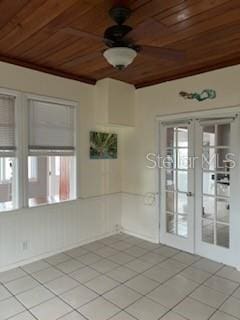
column 42, row 205
column 45, row 201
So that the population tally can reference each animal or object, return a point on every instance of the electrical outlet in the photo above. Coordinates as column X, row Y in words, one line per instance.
column 25, row 245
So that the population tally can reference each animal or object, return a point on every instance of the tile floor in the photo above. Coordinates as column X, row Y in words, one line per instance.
column 121, row 278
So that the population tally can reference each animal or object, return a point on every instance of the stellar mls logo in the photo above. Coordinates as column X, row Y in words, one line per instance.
column 214, row 162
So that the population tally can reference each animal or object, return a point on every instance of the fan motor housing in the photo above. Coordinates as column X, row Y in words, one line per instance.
column 120, row 14
column 117, row 33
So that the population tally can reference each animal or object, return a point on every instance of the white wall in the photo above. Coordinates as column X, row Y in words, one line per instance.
column 137, row 180
column 51, row 228
column 112, row 192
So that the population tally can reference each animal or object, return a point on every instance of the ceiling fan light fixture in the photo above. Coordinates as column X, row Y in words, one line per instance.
column 120, row 57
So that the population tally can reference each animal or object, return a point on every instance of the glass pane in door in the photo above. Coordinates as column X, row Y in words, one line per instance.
column 176, row 180
column 208, row 135
column 216, row 184
column 170, row 180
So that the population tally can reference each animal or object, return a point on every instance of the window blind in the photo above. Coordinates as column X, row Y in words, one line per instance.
column 7, row 125
column 51, row 128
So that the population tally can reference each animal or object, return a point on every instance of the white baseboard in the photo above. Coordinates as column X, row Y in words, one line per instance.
column 140, row 236
column 46, row 255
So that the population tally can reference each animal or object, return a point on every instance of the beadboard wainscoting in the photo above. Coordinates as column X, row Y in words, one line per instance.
column 28, row 235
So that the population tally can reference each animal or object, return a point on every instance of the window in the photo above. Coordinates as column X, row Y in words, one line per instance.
column 7, row 153
column 51, row 153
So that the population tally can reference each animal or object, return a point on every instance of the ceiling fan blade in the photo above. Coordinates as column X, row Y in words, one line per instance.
column 82, row 34
column 148, row 28
column 82, row 59
column 162, row 53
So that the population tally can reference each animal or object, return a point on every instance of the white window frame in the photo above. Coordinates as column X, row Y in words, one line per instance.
column 27, row 98
column 16, row 181
column 20, row 179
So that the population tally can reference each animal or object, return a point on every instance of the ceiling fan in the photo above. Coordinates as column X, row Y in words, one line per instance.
column 121, row 39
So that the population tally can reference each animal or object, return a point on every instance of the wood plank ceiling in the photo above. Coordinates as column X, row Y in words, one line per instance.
column 207, row 31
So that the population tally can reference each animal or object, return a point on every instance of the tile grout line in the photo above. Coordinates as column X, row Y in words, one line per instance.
column 147, row 251
column 54, row 266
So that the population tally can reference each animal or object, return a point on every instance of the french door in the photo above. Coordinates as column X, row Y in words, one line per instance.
column 177, row 181
column 199, row 187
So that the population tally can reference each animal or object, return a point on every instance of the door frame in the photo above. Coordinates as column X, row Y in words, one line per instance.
column 232, row 258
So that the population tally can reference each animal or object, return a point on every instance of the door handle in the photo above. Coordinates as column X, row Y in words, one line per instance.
column 189, row 194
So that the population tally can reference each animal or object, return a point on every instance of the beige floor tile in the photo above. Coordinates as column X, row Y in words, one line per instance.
column 121, row 245
column 85, row 274
column 236, row 294
column 209, row 296
column 122, row 269
column 221, row 316
column 104, row 265
column 172, row 316
column 220, row 284
column 109, row 240
column 93, row 246
column 121, row 274
column 182, row 284
column 134, row 241
column 106, row 252
column 123, row 316
column 167, row 296
column 152, row 258
column 11, row 275
column 101, row 284
column 122, row 296
column 121, row 258
column 146, row 309
column 9, row 308
column 229, row 273
column 172, row 265
column 47, row 275
column 186, row 258
column 232, row 307
column 36, row 266
column 58, row 258
column 34, row 297
column 138, row 265
column 4, row 293
column 196, row 274
column 70, row 266
column 73, row 316
column 158, row 274
column 21, row 285
column 79, row 296
column 148, row 245
column 142, row 284
column 207, row 265
column 24, row 316
column 166, row 251
column 136, row 251
column 51, row 310
column 76, row 252
column 194, row 310
column 99, row 309
column 89, row 258
column 61, row 285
